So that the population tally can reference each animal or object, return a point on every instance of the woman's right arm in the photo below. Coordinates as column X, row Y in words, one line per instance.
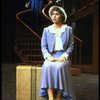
column 44, row 45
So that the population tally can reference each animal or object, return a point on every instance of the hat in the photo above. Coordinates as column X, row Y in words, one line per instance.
column 61, row 9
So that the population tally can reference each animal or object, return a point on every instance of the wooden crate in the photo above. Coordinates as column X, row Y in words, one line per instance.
column 28, row 82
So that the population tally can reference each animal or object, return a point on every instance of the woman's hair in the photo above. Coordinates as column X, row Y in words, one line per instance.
column 60, row 12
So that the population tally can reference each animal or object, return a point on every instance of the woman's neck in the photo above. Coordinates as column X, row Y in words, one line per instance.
column 57, row 25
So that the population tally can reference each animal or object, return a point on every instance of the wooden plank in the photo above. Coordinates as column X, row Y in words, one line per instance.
column 76, row 71
column 23, row 82
column 28, row 82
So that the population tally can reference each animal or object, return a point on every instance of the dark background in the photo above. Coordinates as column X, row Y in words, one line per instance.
column 9, row 8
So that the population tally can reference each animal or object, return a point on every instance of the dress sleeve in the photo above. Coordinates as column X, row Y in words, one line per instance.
column 70, row 46
column 44, row 45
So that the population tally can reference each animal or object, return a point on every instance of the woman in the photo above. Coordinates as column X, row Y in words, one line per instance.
column 57, row 44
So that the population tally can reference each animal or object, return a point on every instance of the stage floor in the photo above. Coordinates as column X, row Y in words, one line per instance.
column 86, row 85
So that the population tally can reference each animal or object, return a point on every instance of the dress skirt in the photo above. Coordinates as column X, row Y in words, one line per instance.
column 57, row 75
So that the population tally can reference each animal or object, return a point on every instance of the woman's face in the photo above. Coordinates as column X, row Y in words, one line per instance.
column 56, row 17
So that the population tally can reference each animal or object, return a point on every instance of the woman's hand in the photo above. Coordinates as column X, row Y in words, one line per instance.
column 61, row 59
column 27, row 5
column 51, row 58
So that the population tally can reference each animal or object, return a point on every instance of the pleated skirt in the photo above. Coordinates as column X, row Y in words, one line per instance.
column 57, row 75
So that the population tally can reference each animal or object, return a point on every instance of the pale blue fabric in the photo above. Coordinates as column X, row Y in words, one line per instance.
column 48, row 39
column 57, row 75
column 36, row 5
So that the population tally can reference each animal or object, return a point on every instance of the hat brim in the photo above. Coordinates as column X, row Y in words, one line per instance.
column 61, row 9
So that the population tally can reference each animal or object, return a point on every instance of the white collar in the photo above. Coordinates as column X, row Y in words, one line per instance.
column 62, row 29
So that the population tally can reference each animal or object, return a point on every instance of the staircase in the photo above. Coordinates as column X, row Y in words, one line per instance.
column 27, row 42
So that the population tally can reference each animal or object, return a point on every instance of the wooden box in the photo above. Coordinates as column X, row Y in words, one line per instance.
column 28, row 82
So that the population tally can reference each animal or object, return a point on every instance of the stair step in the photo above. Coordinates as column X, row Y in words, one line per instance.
column 75, row 71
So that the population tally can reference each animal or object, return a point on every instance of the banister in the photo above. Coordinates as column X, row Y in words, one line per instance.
column 17, row 16
column 43, row 11
column 24, row 11
column 78, row 39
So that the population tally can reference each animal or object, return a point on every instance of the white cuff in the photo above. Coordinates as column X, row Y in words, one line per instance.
column 65, row 55
column 46, row 55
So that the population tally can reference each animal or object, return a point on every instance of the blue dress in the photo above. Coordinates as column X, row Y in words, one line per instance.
column 56, row 75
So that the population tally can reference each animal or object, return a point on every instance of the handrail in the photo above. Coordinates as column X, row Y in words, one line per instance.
column 43, row 11
column 78, row 38
column 17, row 16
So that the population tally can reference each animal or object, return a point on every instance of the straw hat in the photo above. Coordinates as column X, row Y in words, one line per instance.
column 61, row 9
